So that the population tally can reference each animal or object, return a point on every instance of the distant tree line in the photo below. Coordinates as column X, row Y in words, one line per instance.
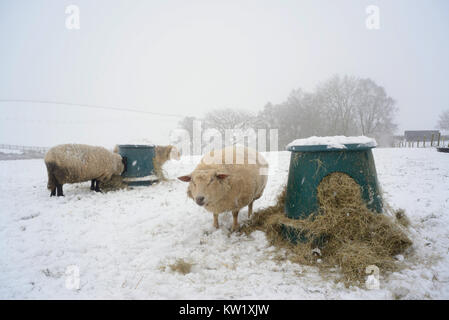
column 338, row 106
column 443, row 121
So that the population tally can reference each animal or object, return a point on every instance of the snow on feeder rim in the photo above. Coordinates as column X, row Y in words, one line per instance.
column 331, row 143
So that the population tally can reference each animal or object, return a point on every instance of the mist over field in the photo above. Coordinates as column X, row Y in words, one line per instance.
column 189, row 58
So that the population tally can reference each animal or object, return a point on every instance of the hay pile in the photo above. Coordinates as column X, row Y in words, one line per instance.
column 352, row 237
column 115, row 183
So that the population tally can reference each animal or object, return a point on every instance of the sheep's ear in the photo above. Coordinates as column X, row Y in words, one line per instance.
column 222, row 176
column 185, row 178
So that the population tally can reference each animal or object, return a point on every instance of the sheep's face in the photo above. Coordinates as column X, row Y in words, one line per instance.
column 206, row 187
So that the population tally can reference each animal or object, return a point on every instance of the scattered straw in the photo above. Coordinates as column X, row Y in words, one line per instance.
column 354, row 237
column 115, row 183
column 181, row 266
column 401, row 217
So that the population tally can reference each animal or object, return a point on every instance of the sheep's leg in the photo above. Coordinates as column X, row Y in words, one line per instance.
column 235, row 216
column 250, row 209
column 52, row 182
column 97, row 187
column 216, row 220
column 92, row 184
column 59, row 190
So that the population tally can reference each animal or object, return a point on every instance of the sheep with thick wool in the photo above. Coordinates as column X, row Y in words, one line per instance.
column 228, row 180
column 73, row 163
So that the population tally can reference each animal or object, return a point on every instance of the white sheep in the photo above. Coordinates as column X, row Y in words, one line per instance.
column 228, row 180
column 72, row 163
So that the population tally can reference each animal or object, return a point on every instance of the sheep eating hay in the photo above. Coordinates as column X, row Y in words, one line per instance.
column 353, row 236
column 72, row 163
column 228, row 180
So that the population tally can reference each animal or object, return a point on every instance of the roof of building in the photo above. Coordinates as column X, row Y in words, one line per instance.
column 420, row 134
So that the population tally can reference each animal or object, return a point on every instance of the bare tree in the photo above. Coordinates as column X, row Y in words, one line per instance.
column 356, row 106
column 443, row 122
column 375, row 110
column 236, row 121
column 337, row 97
column 339, row 106
column 227, row 118
column 294, row 118
column 187, row 124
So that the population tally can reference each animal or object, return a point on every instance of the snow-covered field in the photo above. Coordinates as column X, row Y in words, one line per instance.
column 123, row 242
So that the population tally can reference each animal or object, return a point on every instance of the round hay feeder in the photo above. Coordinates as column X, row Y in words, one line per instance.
column 311, row 163
column 139, row 169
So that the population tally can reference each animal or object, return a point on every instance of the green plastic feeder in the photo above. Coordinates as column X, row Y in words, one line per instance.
column 311, row 163
column 139, row 169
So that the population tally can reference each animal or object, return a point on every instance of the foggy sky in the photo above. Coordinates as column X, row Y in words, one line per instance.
column 188, row 57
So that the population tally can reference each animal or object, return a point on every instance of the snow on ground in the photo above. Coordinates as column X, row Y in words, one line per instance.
column 123, row 241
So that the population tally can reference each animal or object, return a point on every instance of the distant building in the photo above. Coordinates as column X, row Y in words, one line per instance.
column 421, row 135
